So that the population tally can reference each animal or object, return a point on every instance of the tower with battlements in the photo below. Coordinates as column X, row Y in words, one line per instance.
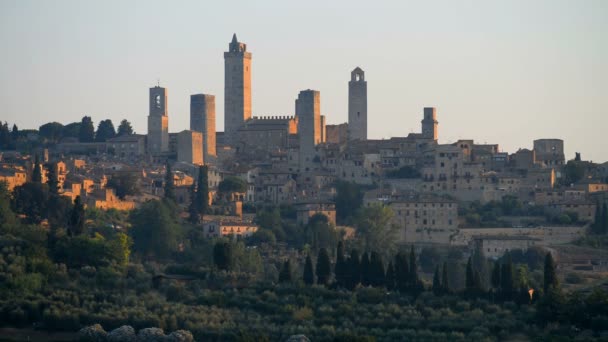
column 430, row 123
column 237, row 88
column 308, row 111
column 357, row 105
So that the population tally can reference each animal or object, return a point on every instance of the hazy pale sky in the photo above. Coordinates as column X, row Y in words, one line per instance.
column 503, row 72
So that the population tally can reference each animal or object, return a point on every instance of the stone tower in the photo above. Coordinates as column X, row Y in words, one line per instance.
column 202, row 119
column 237, row 88
column 429, row 123
column 308, row 111
column 357, row 105
column 158, row 122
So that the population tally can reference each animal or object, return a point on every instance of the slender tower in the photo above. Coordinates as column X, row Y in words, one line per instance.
column 237, row 88
column 357, row 105
column 308, row 111
column 430, row 123
column 202, row 119
column 158, row 122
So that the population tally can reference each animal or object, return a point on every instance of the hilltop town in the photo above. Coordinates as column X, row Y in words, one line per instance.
column 284, row 187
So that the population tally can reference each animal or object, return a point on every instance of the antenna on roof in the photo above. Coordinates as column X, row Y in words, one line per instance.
column 158, row 82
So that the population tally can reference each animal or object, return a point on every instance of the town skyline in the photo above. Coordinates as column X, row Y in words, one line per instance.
column 396, row 95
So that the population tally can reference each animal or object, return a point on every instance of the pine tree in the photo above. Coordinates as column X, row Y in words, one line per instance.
column 340, row 268
column 390, row 276
column 414, row 281
column 437, row 282
column 445, row 284
column 36, row 172
column 223, row 255
column 52, row 179
column 76, row 221
column 285, row 274
column 550, row 275
column 105, row 131
column 124, row 128
column 309, row 273
column 169, row 186
column 323, row 267
column 376, row 270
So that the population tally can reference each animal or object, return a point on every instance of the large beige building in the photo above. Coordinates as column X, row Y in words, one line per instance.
column 190, row 147
column 357, row 105
column 202, row 119
column 237, row 88
column 158, row 122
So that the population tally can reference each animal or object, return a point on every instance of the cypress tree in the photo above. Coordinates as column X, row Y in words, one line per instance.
column 445, row 283
column 285, row 274
column 354, row 269
column 390, row 276
column 193, row 216
column 223, row 255
column 36, row 172
column 413, row 274
column 365, row 270
column 550, row 275
column 469, row 280
column 402, row 274
column 506, row 278
column 598, row 223
column 76, row 221
column 169, row 186
column 604, row 218
column 309, row 273
column 377, row 269
column 496, row 275
column 323, row 267
column 52, row 180
column 341, row 267
column 202, row 190
column 436, row 282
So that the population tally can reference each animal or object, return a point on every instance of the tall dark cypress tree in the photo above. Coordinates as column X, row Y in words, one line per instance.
column 365, row 270
column 341, row 267
column 354, row 269
column 37, row 172
column 437, row 282
column 402, row 272
column 390, row 276
column 605, row 218
column 445, row 283
column 193, row 216
column 87, row 130
column 169, row 186
column 285, row 274
column 414, row 281
column 323, row 267
column 598, row 223
column 550, row 276
column 202, row 190
column 376, row 270
column 76, row 221
column 506, row 278
column 469, row 277
column 309, row 272
column 52, row 179
column 496, row 276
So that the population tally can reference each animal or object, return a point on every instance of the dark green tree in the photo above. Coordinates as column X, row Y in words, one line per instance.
column 202, row 190
column 323, row 267
column 155, row 230
column 598, row 223
column 320, row 233
column 353, row 273
column 51, row 131
column 71, row 130
column 437, row 286
column 402, row 272
column 349, row 198
column 445, row 283
column 414, row 280
column 169, row 186
column 285, row 274
column 124, row 184
column 193, row 216
column 5, row 136
column 87, row 130
column 550, row 276
column 605, row 218
column 341, row 267
column 37, row 171
column 377, row 275
column 31, row 199
column 470, row 275
column 506, row 278
column 231, row 184
column 223, row 255
column 124, row 128
column 52, row 179
column 76, row 221
column 309, row 272
column 496, row 276
column 390, row 276
column 376, row 230
column 105, row 131
column 365, row 270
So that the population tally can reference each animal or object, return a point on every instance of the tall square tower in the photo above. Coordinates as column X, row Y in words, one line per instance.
column 158, row 121
column 357, row 105
column 308, row 111
column 202, row 119
column 237, row 88
column 430, row 123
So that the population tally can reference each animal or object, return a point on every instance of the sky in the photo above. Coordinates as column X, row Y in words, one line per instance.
column 504, row 72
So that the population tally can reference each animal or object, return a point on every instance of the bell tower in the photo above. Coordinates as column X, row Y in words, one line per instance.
column 357, row 105
column 430, row 123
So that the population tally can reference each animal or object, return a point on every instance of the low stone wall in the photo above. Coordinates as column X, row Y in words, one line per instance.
column 545, row 235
